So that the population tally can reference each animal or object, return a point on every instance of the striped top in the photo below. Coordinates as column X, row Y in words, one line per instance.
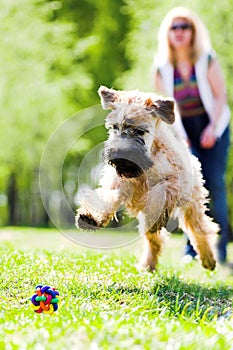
column 187, row 95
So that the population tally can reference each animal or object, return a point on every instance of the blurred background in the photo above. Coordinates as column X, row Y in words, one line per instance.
column 54, row 56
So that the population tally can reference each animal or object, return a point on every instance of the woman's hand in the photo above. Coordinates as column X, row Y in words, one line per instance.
column 208, row 138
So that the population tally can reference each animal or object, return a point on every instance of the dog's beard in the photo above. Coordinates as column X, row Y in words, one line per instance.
column 126, row 168
column 129, row 162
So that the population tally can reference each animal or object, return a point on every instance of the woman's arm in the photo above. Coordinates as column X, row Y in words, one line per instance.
column 217, row 84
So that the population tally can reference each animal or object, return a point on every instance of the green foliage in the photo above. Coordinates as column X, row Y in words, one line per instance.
column 106, row 302
column 54, row 56
column 38, row 78
column 52, row 64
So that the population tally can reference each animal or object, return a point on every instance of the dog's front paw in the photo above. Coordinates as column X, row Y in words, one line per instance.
column 86, row 222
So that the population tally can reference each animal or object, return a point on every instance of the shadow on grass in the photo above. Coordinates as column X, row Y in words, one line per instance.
column 170, row 296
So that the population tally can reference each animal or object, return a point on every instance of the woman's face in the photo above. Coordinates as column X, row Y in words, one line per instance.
column 180, row 33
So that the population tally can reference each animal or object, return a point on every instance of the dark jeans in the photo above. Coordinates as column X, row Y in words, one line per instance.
column 214, row 162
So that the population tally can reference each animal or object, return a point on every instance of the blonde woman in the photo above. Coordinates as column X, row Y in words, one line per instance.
column 186, row 67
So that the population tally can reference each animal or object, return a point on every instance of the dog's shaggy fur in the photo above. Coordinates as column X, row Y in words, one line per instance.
column 149, row 170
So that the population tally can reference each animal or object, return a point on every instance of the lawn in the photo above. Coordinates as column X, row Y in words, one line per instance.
column 105, row 302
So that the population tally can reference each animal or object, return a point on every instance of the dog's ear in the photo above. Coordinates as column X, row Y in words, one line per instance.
column 163, row 109
column 108, row 97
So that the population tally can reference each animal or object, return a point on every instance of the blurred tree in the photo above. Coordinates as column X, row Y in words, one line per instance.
column 50, row 68
column 103, row 27
column 38, row 76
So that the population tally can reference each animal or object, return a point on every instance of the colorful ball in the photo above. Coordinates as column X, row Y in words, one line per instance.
column 45, row 300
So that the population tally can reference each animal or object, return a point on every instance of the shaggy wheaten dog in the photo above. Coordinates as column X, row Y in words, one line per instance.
column 151, row 172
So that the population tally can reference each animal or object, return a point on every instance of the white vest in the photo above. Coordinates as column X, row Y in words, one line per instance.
column 201, row 68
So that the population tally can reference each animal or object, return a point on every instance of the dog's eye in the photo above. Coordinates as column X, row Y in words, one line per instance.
column 139, row 132
column 115, row 127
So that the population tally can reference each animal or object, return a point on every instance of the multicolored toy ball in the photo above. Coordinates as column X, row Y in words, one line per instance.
column 45, row 300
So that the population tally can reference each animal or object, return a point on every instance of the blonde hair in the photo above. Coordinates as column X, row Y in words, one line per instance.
column 200, row 42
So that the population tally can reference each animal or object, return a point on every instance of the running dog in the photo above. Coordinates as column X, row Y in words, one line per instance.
column 150, row 171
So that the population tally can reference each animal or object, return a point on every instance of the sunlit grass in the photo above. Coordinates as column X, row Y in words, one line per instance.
column 106, row 302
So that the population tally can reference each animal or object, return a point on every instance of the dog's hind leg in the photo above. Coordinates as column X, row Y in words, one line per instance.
column 202, row 232
column 194, row 221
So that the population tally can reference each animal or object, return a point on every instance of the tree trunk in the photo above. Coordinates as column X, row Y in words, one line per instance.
column 12, row 199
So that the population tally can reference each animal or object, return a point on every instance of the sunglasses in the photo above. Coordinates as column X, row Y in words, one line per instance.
column 182, row 26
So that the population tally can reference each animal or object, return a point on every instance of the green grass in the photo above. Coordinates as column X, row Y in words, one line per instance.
column 106, row 303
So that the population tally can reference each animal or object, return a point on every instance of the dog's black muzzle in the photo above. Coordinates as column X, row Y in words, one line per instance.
column 130, row 161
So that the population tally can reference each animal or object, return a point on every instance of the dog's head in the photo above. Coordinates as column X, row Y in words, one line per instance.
column 131, row 126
